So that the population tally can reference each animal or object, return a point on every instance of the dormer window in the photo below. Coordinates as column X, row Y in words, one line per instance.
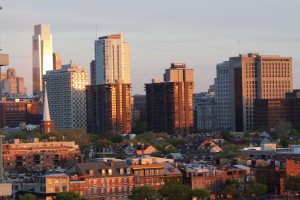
column 110, row 172
column 128, row 171
column 121, row 171
column 91, row 172
column 103, row 172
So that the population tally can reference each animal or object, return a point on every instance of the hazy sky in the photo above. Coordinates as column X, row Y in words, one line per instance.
column 197, row 32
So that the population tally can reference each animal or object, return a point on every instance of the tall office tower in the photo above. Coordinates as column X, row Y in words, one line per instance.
column 13, row 85
column 222, row 92
column 108, row 108
column 253, row 77
column 112, row 59
column 56, row 61
column 205, row 107
column 93, row 72
column 169, row 104
column 42, row 57
column 66, row 96
column 46, row 125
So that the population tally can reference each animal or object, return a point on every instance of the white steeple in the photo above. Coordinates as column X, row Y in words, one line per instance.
column 46, row 113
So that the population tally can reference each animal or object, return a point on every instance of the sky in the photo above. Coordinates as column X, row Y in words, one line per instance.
column 200, row 33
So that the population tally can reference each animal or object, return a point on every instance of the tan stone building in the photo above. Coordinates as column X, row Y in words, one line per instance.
column 13, row 85
column 254, row 76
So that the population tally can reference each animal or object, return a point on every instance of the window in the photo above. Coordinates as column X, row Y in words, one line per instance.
column 110, row 172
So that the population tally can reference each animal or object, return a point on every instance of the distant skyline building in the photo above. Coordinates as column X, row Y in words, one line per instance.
column 112, row 60
column 222, row 92
column 108, row 108
column 93, row 72
column 170, row 103
column 13, row 85
column 57, row 62
column 254, row 76
column 42, row 55
column 66, row 96
column 205, row 110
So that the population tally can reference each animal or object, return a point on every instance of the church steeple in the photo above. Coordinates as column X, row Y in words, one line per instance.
column 46, row 125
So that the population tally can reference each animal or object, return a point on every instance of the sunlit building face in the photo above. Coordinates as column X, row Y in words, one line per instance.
column 42, row 58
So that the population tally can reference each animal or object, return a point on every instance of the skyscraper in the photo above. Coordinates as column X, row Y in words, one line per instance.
column 13, row 85
column 112, row 59
column 42, row 57
column 169, row 103
column 222, row 92
column 66, row 96
column 108, row 108
column 56, row 61
column 253, row 77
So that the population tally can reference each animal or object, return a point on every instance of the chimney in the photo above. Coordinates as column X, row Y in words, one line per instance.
column 112, row 164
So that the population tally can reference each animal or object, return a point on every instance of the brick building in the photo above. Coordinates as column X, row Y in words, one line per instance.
column 36, row 153
column 13, row 113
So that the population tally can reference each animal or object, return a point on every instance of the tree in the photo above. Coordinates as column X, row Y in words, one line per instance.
column 292, row 183
column 145, row 193
column 175, row 191
column 283, row 128
column 28, row 196
column 200, row 193
column 256, row 189
column 69, row 195
column 231, row 188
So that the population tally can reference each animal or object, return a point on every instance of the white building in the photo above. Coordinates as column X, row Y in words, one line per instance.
column 66, row 96
column 42, row 55
column 205, row 110
column 112, row 59
column 222, row 90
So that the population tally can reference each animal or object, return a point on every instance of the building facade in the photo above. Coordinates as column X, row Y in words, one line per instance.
column 42, row 55
column 14, row 113
column 66, row 96
column 108, row 108
column 13, row 85
column 112, row 59
column 271, row 112
column 37, row 153
column 222, row 93
column 57, row 62
column 140, row 104
column 252, row 77
column 205, row 110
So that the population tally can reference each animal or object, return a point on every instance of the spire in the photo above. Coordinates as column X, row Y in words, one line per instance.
column 46, row 113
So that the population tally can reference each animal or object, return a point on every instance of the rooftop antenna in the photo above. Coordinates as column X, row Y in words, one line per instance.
column 96, row 31
column 238, row 47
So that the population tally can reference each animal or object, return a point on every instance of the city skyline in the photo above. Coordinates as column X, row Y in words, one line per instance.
column 201, row 34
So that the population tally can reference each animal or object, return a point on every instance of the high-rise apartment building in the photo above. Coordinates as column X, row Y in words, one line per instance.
column 112, row 60
column 108, row 108
column 205, row 110
column 93, row 72
column 169, row 103
column 66, row 96
column 42, row 55
column 222, row 96
column 252, row 77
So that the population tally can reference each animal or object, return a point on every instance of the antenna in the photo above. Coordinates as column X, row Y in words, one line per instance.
column 238, row 47
column 96, row 31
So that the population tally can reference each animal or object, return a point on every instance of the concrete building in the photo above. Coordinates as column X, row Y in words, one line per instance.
column 222, row 96
column 205, row 110
column 169, row 107
column 179, row 73
column 112, row 60
column 57, row 63
column 66, row 96
column 93, row 72
column 140, row 104
column 13, row 85
column 252, row 77
column 37, row 153
column 108, row 108
column 42, row 55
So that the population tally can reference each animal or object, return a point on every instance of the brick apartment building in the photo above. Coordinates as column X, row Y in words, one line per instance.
column 37, row 153
column 13, row 113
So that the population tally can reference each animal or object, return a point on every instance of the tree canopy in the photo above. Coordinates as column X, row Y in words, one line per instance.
column 69, row 195
column 28, row 196
column 145, row 192
column 175, row 191
column 256, row 189
column 200, row 193
column 292, row 183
